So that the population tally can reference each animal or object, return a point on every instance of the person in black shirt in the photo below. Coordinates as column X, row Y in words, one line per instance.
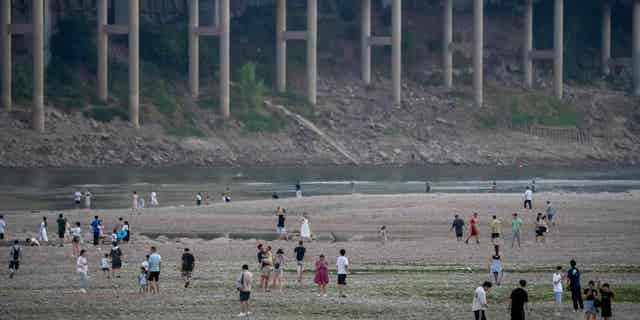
column 300, row 250
column 188, row 262
column 606, row 296
column 590, row 296
column 280, row 226
column 519, row 299
column 573, row 279
column 458, row 226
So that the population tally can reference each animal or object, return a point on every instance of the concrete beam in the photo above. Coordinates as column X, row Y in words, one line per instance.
column 396, row 50
column 20, row 28
column 134, row 62
column 365, row 48
column 478, row 52
column 103, row 51
column 606, row 37
column 558, row 47
column 447, row 39
column 116, row 29
column 542, row 54
column 194, row 44
column 281, row 46
column 295, row 35
column 380, row 41
column 636, row 47
column 312, row 49
column 5, row 45
column 453, row 47
column 528, row 44
column 225, row 62
column 38, row 65
column 208, row 31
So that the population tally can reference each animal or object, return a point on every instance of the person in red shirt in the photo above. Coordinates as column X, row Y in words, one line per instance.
column 475, row 232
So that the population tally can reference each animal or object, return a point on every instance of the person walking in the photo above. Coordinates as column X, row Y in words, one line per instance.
column 116, row 260
column 155, row 261
column 516, row 224
column 126, row 232
column 188, row 264
column 198, row 199
column 342, row 264
column 87, row 199
column 278, row 270
column 300, row 251
column 495, row 267
column 15, row 254
column 82, row 267
column 43, row 230
column 280, row 225
column 76, row 236
column 134, row 201
column 557, row 290
column 266, row 268
column 154, row 199
column 573, row 279
column 3, row 227
column 458, row 227
column 519, row 299
column 551, row 212
column 479, row 306
column 528, row 198
column 95, row 227
column 322, row 275
column 475, row 232
column 243, row 284
column 495, row 226
column 541, row 227
column 62, row 226
column 305, row 229
column 77, row 198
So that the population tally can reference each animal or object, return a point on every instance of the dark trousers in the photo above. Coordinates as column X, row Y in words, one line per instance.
column 527, row 204
column 576, row 297
column 479, row 314
column 96, row 239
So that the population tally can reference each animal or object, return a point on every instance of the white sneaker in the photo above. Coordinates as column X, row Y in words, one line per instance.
column 241, row 314
column 83, row 291
column 248, row 313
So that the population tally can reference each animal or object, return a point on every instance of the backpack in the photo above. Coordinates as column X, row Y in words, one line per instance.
column 240, row 282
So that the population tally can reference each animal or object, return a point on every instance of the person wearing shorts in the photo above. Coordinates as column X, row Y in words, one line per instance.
column 155, row 261
column 188, row 263
column 557, row 289
column 342, row 264
column 280, row 226
column 15, row 253
column 550, row 213
column 496, row 228
column 458, row 227
column 528, row 198
column 62, row 227
column 3, row 226
column 243, row 284
column 300, row 250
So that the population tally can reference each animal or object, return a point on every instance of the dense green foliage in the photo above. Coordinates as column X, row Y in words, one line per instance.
column 530, row 108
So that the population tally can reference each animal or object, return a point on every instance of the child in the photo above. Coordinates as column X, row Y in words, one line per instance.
column 142, row 280
column 114, row 237
column 104, row 265
column 278, row 270
column 322, row 275
column 383, row 234
column 606, row 296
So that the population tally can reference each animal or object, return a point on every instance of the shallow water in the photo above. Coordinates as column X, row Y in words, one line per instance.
column 39, row 189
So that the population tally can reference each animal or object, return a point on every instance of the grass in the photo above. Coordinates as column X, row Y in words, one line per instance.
column 296, row 103
column 530, row 108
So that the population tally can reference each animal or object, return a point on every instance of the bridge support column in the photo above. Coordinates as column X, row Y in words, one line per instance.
column 606, row 37
column 478, row 51
column 396, row 51
column 281, row 46
column 225, row 61
column 528, row 45
column 447, row 40
column 194, row 52
column 38, row 65
column 134, row 62
column 365, row 47
column 558, row 47
column 5, row 44
column 636, row 47
column 103, row 51
column 312, row 47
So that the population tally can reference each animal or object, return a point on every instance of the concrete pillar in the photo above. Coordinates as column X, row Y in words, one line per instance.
column 527, row 66
column 478, row 51
column 558, row 47
column 447, row 39
column 636, row 47
column 38, row 65
column 364, row 41
column 606, row 37
column 134, row 63
column 103, row 52
column 47, row 32
column 216, row 12
column 396, row 50
column 312, row 47
column 5, row 44
column 225, row 63
column 194, row 51
column 281, row 47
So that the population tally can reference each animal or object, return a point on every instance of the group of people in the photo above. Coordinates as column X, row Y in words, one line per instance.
column 138, row 202
column 281, row 230
column 271, row 270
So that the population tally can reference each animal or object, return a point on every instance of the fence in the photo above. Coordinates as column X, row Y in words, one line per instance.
column 556, row 134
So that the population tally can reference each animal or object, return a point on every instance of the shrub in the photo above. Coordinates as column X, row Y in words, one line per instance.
column 106, row 114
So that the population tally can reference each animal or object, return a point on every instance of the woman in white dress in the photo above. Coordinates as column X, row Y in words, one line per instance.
column 154, row 199
column 134, row 200
column 43, row 230
column 87, row 199
column 305, row 230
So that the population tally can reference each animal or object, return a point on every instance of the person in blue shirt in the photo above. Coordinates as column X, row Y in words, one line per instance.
column 95, row 226
column 154, row 271
column 573, row 279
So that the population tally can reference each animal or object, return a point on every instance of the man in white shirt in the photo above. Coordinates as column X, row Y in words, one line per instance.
column 528, row 198
column 82, row 267
column 557, row 288
column 480, row 301
column 77, row 197
column 342, row 264
column 154, row 199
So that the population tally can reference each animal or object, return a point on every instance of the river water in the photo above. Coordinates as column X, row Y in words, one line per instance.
column 41, row 189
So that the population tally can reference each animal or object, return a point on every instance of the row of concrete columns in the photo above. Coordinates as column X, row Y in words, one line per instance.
column 311, row 37
column 606, row 58
column 367, row 41
column 221, row 28
column 448, row 48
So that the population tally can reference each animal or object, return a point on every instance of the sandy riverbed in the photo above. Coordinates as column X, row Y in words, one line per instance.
column 418, row 274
